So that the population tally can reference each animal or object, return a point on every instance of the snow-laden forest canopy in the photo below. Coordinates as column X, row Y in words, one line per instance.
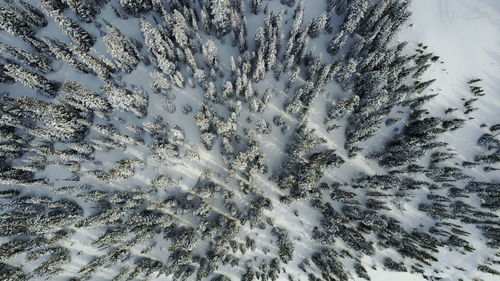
column 298, row 140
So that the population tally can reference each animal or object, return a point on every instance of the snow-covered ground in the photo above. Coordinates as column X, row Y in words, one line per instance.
column 465, row 34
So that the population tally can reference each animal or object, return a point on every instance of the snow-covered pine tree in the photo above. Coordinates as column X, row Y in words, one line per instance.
column 355, row 13
column 81, row 97
column 219, row 11
column 71, row 28
column 256, row 6
column 123, row 99
column 32, row 80
column 36, row 61
column 28, row 12
column 85, row 10
column 317, row 25
column 136, row 7
column 63, row 52
column 122, row 49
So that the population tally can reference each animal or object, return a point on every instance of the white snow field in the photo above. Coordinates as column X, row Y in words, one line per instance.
column 466, row 36
column 263, row 152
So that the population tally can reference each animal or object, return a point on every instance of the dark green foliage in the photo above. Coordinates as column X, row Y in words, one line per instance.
column 394, row 266
column 285, row 246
